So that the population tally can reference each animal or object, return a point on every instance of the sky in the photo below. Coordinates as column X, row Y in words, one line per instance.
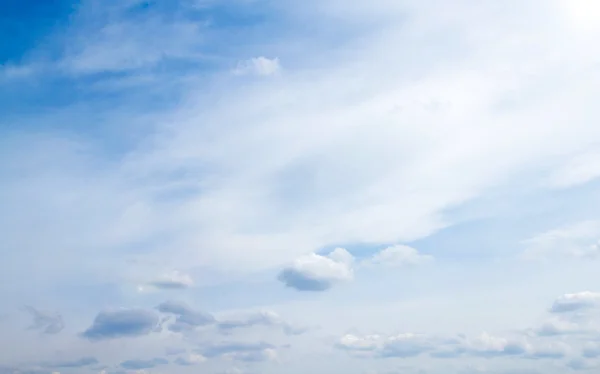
column 325, row 186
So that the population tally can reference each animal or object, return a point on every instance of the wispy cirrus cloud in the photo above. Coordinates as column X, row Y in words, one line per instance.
column 579, row 241
column 48, row 323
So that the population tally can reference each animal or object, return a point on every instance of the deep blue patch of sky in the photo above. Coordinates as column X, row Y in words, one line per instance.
column 24, row 23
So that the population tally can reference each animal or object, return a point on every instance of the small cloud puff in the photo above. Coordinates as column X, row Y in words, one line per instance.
column 190, row 360
column 258, row 66
column 399, row 255
column 314, row 272
column 174, row 280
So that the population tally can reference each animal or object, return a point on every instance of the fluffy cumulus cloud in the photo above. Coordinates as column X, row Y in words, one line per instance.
column 575, row 302
column 315, row 272
column 122, row 323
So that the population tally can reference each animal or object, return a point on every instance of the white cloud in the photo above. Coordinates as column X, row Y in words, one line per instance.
column 342, row 256
column 365, row 146
column 191, row 359
column 262, row 66
column 358, row 343
column 264, row 318
column 575, row 302
column 416, row 111
column 578, row 170
column 549, row 350
column 172, row 280
column 400, row 345
column 10, row 72
column 487, row 345
column 579, row 240
column 392, row 154
column 399, row 255
column 584, row 15
column 554, row 327
column 108, row 41
column 484, row 345
column 314, row 272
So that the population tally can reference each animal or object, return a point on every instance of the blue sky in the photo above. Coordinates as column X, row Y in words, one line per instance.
column 256, row 186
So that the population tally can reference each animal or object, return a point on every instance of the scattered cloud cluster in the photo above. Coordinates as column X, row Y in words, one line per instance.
column 573, row 331
column 316, row 272
column 228, row 139
column 408, row 345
